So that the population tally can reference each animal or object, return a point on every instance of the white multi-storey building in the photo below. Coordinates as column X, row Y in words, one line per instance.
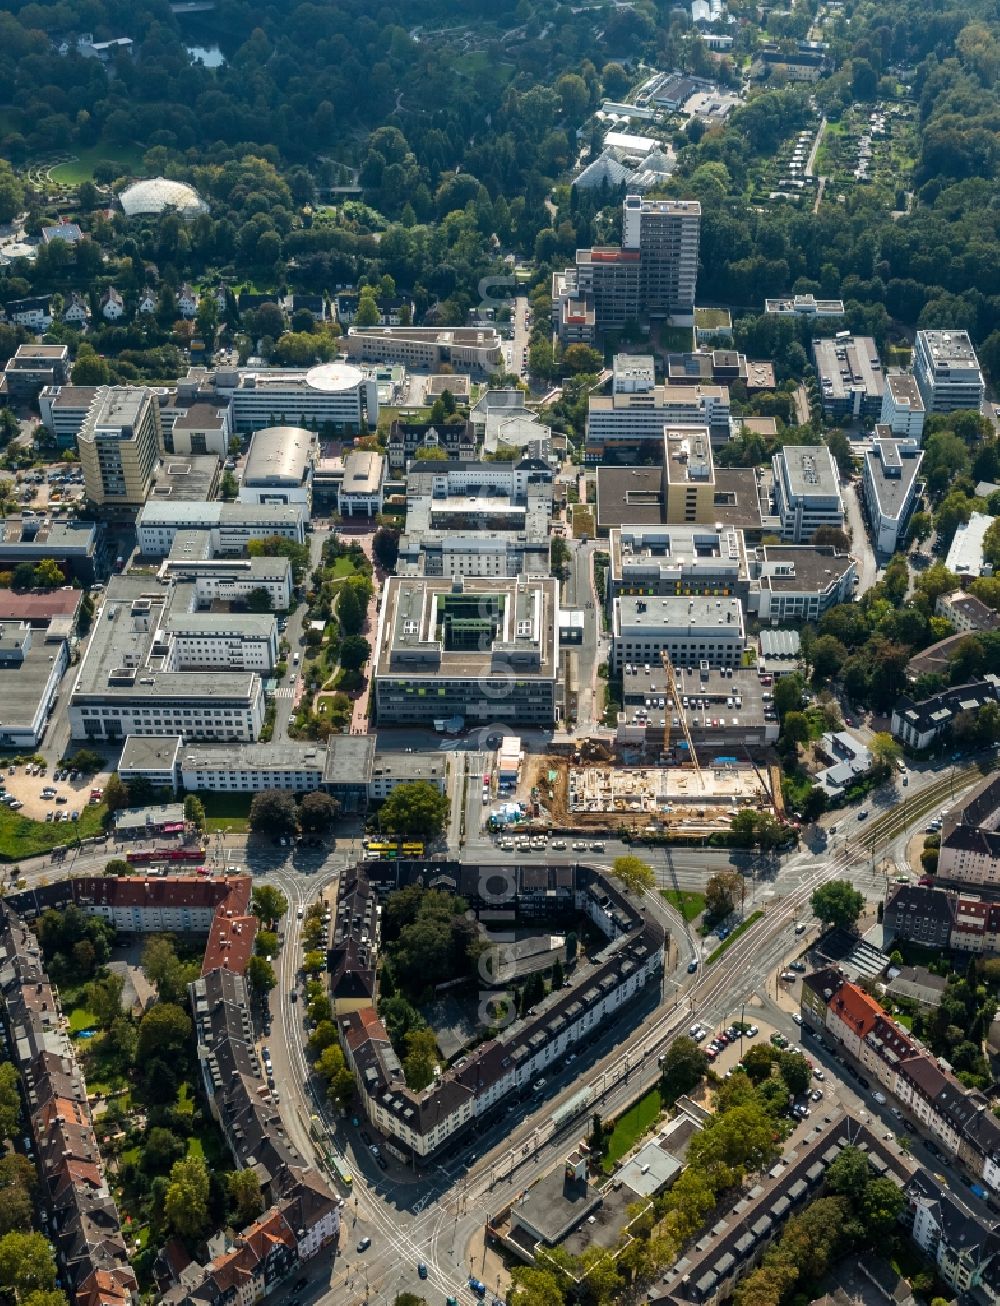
column 226, row 580
column 231, row 525
column 689, row 630
column 806, row 491
column 331, row 397
column 947, row 371
column 890, row 481
column 903, row 406
column 143, row 671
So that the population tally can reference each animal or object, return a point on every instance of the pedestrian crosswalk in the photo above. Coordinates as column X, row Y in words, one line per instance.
column 286, row 691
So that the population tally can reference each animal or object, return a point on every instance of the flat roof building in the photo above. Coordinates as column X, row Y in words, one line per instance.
column 120, row 443
column 965, row 556
column 33, row 367
column 467, row 349
column 804, row 306
column 724, row 709
column 64, row 409
column 903, row 406
column 889, row 484
column 143, row 672
column 688, row 475
column 689, row 630
column 947, row 371
column 482, row 649
column 202, row 429
column 230, row 525
column 330, row 397
column 806, row 491
column 793, row 583
column 636, row 496
column 31, row 667
column 677, row 559
column 850, row 377
column 279, row 467
column 628, row 425
column 362, row 489
column 79, row 547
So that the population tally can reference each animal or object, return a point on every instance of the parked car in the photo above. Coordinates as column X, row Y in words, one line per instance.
column 364, row 1244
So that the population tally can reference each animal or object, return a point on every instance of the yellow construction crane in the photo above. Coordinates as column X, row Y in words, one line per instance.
column 676, row 699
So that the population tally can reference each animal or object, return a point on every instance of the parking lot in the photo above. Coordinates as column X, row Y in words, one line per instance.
column 27, row 789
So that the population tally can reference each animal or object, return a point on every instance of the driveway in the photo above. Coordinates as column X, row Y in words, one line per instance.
column 861, row 547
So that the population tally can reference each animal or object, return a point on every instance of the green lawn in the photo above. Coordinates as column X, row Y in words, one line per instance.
column 81, row 1018
column 630, row 1127
column 340, row 568
column 689, row 904
column 226, row 811
column 740, row 929
column 21, row 837
column 81, row 168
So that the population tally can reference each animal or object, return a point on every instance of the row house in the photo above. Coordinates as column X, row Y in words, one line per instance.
column 265, row 1254
column 422, row 1123
column 959, row 1119
column 942, row 918
column 85, row 1227
column 964, row 1248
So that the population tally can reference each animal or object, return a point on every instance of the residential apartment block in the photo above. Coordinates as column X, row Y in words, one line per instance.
column 970, row 840
column 85, row 1228
column 890, row 483
column 120, row 443
column 947, row 371
column 959, row 1120
column 483, row 649
column 806, row 491
column 918, row 725
column 967, row 613
column 422, row 1124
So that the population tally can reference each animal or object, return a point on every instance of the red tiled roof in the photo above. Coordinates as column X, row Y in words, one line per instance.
column 230, row 942
column 39, row 607
column 163, row 891
column 855, row 1008
column 107, row 1288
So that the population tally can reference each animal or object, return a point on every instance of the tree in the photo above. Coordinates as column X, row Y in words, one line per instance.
column 194, row 811
column 634, row 873
column 245, row 1195
column 684, row 1067
column 268, row 904
column 533, row 1287
column 104, row 998
column 27, row 1263
column 259, row 600
column 165, row 969
column 385, row 547
column 273, row 812
column 48, row 574
column 884, row 749
column 722, row 892
column 795, row 728
column 794, row 1070
column 788, row 694
column 10, row 1101
column 920, row 528
column 185, row 1206
column 90, row 368
column 417, row 810
column 164, row 1033
column 421, row 1059
column 17, row 1183
column 265, row 943
column 827, row 656
column 849, row 1175
column 318, row 811
column 260, row 975
column 350, row 613
column 354, row 652
column 558, row 975
column 24, row 576
column 837, row 903
column 160, row 1150
column 116, row 794
column 367, row 314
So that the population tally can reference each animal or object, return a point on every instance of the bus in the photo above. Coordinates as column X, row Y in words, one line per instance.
column 413, row 850
column 381, row 848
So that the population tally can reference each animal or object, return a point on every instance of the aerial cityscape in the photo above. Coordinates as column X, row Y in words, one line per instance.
column 500, row 602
